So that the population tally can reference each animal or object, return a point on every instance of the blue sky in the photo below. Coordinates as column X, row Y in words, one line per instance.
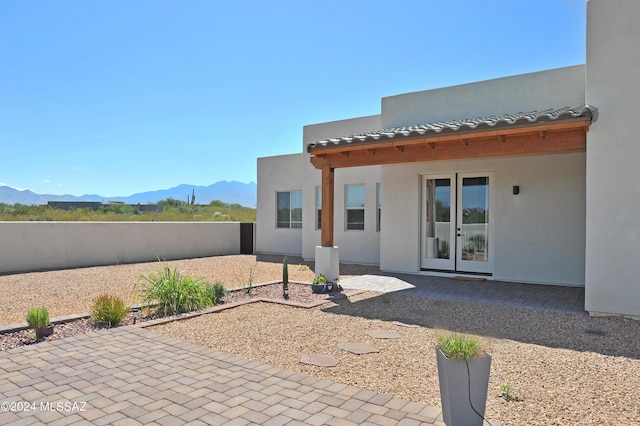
column 114, row 97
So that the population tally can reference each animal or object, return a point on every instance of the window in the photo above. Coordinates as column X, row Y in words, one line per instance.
column 318, row 207
column 289, row 213
column 354, row 202
column 379, row 208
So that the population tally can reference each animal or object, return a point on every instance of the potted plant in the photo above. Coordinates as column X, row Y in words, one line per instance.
column 463, row 372
column 39, row 320
column 320, row 284
column 285, row 278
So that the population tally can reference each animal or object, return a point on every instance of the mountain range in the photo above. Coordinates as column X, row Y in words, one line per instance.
column 228, row 192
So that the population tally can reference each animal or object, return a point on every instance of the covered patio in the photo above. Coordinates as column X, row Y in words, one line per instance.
column 555, row 130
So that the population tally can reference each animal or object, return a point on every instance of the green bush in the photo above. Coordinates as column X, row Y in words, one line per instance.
column 108, row 310
column 459, row 346
column 38, row 317
column 215, row 292
column 320, row 279
column 173, row 293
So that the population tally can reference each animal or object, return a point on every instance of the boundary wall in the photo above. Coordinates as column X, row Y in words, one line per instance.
column 35, row 246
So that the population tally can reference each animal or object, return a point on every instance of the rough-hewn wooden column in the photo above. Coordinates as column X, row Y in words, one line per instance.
column 327, row 206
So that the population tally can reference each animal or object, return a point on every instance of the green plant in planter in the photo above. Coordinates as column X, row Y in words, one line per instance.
column 463, row 373
column 320, row 279
column 108, row 310
column 320, row 284
column 285, row 278
column 38, row 317
column 459, row 346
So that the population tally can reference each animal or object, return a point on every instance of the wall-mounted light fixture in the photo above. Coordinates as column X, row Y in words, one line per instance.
column 516, row 189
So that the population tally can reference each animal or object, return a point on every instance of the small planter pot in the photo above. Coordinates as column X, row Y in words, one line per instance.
column 44, row 332
column 319, row 288
column 459, row 385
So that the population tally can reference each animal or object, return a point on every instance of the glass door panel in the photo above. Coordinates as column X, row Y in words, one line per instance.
column 438, row 230
column 473, row 231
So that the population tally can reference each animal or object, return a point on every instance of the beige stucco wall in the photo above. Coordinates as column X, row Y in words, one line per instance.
column 28, row 246
column 355, row 246
column 538, row 235
column 521, row 93
column 613, row 154
column 320, row 131
column 276, row 174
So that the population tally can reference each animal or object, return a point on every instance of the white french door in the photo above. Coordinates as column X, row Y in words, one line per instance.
column 456, row 230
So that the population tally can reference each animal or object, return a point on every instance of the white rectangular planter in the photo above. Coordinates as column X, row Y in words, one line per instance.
column 455, row 384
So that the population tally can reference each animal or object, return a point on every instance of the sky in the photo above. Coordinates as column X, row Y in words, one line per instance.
column 116, row 97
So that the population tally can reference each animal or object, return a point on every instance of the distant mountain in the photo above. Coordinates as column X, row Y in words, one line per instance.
column 229, row 192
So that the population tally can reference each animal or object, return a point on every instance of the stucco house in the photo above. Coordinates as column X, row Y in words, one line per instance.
column 528, row 178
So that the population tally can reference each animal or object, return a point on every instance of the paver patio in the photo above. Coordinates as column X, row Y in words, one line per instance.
column 131, row 375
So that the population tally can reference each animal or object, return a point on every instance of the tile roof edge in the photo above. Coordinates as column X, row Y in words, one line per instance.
column 467, row 124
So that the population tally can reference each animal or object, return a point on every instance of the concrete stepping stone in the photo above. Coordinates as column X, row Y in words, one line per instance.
column 403, row 324
column 320, row 360
column 357, row 348
column 383, row 334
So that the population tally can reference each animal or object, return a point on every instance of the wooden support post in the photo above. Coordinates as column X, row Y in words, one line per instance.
column 327, row 206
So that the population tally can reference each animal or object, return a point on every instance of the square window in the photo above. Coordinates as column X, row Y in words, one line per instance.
column 289, row 209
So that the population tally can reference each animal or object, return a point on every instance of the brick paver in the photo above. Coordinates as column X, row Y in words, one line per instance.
column 529, row 296
column 131, row 375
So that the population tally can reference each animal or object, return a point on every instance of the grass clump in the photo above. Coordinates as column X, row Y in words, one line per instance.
column 246, row 284
column 168, row 292
column 38, row 317
column 459, row 346
column 108, row 310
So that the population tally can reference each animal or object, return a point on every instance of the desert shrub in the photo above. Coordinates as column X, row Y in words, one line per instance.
column 215, row 292
column 108, row 310
column 38, row 317
column 169, row 292
column 246, row 284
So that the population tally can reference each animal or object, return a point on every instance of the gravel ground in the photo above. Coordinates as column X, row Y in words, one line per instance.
column 566, row 369
column 72, row 291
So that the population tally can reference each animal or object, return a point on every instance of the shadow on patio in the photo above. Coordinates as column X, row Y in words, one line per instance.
column 550, row 316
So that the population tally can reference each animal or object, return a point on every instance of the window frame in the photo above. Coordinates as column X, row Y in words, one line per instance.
column 318, row 208
column 352, row 225
column 294, row 196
